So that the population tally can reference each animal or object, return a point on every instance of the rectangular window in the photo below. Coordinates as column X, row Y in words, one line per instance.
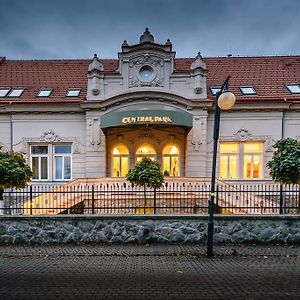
column 215, row 90
column 62, row 162
column 228, row 160
column 247, row 90
column 293, row 88
column 247, row 155
column 73, row 93
column 252, row 160
column 4, row 92
column 44, row 92
column 51, row 162
column 15, row 92
column 39, row 162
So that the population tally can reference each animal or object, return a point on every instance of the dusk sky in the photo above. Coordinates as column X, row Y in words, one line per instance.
column 43, row 29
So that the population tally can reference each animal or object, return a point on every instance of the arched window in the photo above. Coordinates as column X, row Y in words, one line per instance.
column 171, row 160
column 120, row 157
column 145, row 151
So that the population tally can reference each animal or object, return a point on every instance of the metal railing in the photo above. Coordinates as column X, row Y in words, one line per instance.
column 170, row 199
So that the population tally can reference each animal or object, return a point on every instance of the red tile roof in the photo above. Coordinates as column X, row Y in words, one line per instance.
column 266, row 74
column 60, row 75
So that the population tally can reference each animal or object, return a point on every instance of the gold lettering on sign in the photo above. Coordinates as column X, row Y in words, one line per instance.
column 147, row 119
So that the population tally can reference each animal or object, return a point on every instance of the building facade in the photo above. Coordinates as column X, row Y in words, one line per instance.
column 97, row 118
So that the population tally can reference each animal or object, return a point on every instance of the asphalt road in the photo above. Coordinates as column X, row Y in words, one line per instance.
column 149, row 272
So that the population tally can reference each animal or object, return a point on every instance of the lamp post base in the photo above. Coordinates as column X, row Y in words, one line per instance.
column 210, row 231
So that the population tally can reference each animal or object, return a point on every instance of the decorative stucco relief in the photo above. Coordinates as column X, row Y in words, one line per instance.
column 95, row 138
column 156, row 63
column 196, row 133
column 51, row 137
column 243, row 135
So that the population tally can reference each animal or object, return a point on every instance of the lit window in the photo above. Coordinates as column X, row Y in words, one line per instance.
column 247, row 90
column 145, row 151
column 44, row 92
column 16, row 92
column 215, row 90
column 73, row 93
column 252, row 160
column 228, row 160
column 4, row 92
column 62, row 162
column 170, row 160
column 120, row 161
column 293, row 88
column 241, row 160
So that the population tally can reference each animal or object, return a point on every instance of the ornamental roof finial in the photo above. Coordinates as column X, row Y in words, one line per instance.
column 146, row 37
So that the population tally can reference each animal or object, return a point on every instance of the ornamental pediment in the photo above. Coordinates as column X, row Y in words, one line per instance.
column 146, row 70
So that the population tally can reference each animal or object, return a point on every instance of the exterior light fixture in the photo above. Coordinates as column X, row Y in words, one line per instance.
column 224, row 100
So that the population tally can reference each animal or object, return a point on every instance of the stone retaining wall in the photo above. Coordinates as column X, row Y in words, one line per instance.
column 148, row 229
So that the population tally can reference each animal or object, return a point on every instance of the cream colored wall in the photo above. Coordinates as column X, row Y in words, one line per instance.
column 292, row 124
column 196, row 146
column 92, row 156
column 95, row 156
column 29, row 128
column 260, row 126
column 5, row 131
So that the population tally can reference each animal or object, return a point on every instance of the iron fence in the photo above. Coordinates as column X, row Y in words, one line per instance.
column 171, row 199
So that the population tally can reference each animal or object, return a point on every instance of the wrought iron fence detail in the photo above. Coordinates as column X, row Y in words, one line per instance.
column 171, row 199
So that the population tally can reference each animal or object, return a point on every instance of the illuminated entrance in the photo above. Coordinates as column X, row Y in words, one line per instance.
column 160, row 135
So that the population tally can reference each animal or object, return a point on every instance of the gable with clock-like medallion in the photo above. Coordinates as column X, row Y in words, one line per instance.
column 146, row 66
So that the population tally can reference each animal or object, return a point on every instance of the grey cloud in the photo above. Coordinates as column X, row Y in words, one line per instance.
column 77, row 29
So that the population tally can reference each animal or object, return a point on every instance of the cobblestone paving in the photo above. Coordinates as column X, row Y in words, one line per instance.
column 149, row 272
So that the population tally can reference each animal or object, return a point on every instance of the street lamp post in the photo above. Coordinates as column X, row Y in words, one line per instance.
column 224, row 100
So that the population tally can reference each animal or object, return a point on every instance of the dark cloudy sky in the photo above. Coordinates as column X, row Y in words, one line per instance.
column 79, row 28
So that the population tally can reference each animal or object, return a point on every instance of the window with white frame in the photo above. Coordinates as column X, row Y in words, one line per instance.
column 228, row 160
column 39, row 160
column 241, row 160
column 62, row 162
column 51, row 162
column 252, row 160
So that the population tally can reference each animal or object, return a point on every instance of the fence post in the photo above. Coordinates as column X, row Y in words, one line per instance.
column 93, row 199
column 154, row 202
column 281, row 201
column 217, row 209
column 30, row 197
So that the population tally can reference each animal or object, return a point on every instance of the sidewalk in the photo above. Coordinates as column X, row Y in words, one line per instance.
column 149, row 272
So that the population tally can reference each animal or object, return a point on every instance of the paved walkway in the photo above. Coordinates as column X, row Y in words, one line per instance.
column 149, row 272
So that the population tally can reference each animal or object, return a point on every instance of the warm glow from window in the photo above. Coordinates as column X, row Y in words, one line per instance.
column 171, row 160
column 252, row 147
column 228, row 160
column 170, row 149
column 120, row 161
column 229, row 148
column 120, row 150
column 145, row 150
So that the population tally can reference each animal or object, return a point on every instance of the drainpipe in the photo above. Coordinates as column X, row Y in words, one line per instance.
column 281, row 200
column 282, row 124
column 11, row 133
